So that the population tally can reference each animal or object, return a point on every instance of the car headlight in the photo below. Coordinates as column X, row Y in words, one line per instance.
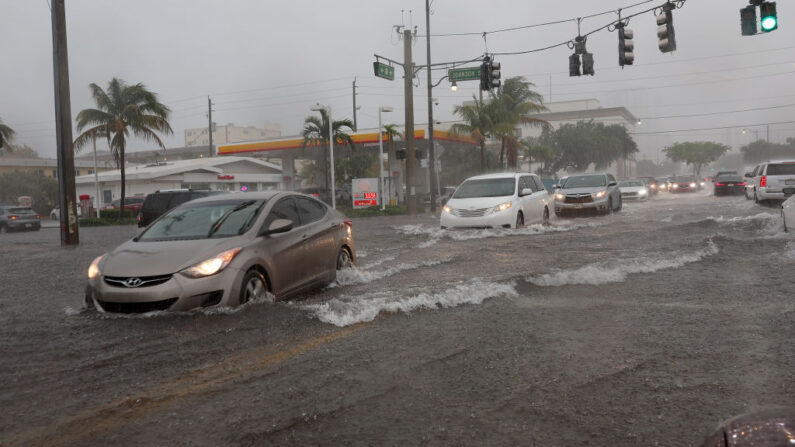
column 643, row 192
column 559, row 196
column 93, row 268
column 702, row 183
column 501, row 207
column 674, row 186
column 599, row 194
column 211, row 266
column 692, row 185
column 447, row 209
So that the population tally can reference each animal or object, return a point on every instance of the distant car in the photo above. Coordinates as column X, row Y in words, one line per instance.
column 224, row 250
column 729, row 184
column 17, row 218
column 633, row 190
column 685, row 183
column 788, row 213
column 588, row 192
column 507, row 200
column 652, row 184
column 132, row 204
column 55, row 214
column 771, row 180
column 159, row 202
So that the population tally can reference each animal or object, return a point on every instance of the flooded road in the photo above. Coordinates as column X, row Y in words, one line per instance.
column 645, row 327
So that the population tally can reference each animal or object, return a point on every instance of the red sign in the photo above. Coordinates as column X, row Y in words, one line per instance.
column 365, row 203
column 226, row 177
column 370, row 195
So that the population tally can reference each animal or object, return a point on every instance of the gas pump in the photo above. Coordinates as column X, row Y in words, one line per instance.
column 86, row 205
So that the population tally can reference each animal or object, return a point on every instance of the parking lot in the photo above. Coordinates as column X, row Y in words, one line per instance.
column 646, row 327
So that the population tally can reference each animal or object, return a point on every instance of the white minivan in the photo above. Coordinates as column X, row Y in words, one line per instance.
column 507, row 200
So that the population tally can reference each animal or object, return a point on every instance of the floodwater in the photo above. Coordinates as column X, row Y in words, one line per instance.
column 645, row 327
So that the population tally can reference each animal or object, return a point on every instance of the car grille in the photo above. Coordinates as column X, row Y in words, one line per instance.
column 146, row 281
column 580, row 198
column 629, row 194
column 460, row 212
column 136, row 308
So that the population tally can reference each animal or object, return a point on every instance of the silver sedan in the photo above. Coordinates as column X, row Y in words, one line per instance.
column 224, row 251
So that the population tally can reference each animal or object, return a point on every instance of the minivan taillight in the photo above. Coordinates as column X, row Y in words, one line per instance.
column 763, row 181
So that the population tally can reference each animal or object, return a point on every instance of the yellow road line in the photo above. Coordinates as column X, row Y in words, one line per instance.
column 105, row 417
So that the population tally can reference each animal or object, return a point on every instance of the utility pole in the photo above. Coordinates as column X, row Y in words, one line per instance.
column 355, row 126
column 63, row 127
column 210, row 125
column 431, row 148
column 411, row 160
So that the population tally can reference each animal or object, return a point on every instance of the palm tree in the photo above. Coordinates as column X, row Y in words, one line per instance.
column 478, row 124
column 316, row 131
column 510, row 106
column 120, row 110
column 6, row 134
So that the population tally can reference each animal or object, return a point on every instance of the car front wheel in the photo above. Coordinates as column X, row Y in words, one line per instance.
column 344, row 260
column 519, row 220
column 254, row 287
column 545, row 220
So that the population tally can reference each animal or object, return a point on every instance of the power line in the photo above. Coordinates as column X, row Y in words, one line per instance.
column 726, row 112
column 536, row 25
column 710, row 128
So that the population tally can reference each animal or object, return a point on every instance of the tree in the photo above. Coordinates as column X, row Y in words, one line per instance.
column 478, row 124
column 43, row 190
column 6, row 134
column 696, row 153
column 122, row 109
column 510, row 106
column 761, row 150
column 579, row 145
column 316, row 131
column 461, row 162
column 538, row 150
column 19, row 151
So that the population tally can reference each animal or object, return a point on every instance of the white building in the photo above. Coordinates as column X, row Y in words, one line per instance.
column 230, row 133
column 215, row 173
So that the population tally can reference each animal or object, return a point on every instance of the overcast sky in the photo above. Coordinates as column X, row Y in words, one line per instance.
column 267, row 61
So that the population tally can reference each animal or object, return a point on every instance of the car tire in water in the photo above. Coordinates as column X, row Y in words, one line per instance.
column 784, row 218
column 620, row 205
column 3, row 229
column 545, row 220
column 254, row 287
column 519, row 220
column 344, row 259
column 609, row 206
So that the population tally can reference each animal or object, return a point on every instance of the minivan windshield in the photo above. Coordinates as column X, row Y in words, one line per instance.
column 204, row 220
column 584, row 181
column 493, row 187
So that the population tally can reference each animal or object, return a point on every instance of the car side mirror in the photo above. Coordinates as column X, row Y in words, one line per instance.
column 612, row 184
column 556, row 186
column 278, row 226
column 748, row 175
column 526, row 192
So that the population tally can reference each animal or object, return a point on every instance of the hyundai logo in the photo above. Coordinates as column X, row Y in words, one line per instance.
column 132, row 282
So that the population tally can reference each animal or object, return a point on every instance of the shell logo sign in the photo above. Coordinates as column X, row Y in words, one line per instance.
column 365, row 192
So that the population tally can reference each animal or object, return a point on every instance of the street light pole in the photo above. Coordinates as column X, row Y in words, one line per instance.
column 381, row 157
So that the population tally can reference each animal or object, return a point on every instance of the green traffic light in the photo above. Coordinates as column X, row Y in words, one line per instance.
column 769, row 23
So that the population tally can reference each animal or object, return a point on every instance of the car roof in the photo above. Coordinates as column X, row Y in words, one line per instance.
column 499, row 175
column 255, row 195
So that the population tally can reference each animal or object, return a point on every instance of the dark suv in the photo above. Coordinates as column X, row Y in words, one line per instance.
column 157, row 203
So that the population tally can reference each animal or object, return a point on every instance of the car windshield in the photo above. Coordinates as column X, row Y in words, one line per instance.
column 493, row 187
column 584, row 181
column 21, row 211
column 204, row 220
column 781, row 169
column 630, row 183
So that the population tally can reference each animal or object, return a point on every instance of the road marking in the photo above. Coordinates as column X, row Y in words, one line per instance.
column 72, row 429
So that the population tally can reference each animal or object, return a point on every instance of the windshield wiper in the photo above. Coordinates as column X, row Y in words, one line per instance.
column 217, row 225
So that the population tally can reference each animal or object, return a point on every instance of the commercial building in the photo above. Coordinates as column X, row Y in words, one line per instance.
column 216, row 173
column 47, row 167
column 230, row 133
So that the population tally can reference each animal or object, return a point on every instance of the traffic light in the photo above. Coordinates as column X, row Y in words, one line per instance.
column 494, row 74
column 587, row 64
column 769, row 19
column 665, row 28
column 626, row 45
column 489, row 74
column 574, row 65
column 748, row 20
